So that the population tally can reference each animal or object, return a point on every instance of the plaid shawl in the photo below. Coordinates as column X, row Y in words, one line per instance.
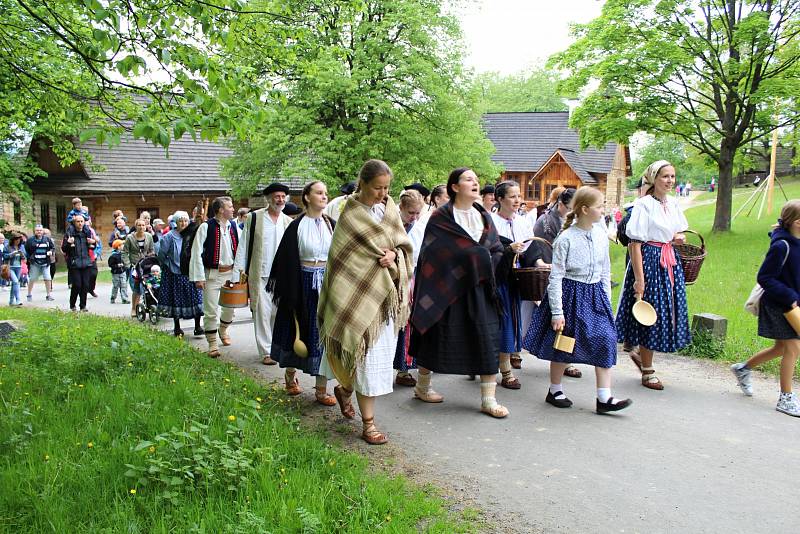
column 358, row 295
column 450, row 264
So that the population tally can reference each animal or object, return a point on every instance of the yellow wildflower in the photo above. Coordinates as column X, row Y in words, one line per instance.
column 133, row 491
column 258, row 399
column 90, row 445
column 152, row 449
column 46, row 457
column 231, row 418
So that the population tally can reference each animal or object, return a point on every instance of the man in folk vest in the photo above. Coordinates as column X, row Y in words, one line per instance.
column 213, row 254
column 261, row 235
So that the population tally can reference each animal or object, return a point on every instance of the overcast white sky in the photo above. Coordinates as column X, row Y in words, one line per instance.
column 511, row 35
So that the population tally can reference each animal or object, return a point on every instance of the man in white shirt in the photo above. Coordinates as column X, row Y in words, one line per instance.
column 261, row 235
column 213, row 253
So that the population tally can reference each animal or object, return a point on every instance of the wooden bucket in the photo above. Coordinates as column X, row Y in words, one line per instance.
column 233, row 295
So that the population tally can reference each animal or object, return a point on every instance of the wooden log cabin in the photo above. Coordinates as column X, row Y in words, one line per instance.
column 541, row 152
column 134, row 176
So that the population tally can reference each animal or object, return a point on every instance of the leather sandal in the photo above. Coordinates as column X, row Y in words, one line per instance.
column 405, row 380
column 650, row 380
column 509, row 381
column 516, row 361
column 324, row 399
column 293, row 388
column 345, row 405
column 428, row 395
column 371, row 434
column 497, row 411
column 225, row 340
column 573, row 372
column 213, row 353
column 266, row 360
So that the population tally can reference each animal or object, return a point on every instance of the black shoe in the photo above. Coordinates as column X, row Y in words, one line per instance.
column 84, row 310
column 559, row 400
column 73, row 309
column 92, row 293
column 199, row 331
column 611, row 406
column 178, row 333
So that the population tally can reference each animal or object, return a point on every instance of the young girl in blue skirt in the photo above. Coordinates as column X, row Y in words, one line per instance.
column 654, row 273
column 578, row 304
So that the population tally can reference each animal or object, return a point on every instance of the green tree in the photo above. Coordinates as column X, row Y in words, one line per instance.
column 533, row 90
column 714, row 73
column 80, row 69
column 690, row 165
column 365, row 79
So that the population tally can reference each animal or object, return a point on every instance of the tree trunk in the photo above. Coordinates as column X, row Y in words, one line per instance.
column 722, row 215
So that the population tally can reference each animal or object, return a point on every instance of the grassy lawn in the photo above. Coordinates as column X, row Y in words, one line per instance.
column 730, row 268
column 107, row 426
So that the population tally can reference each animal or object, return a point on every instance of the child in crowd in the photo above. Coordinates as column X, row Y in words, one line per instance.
column 779, row 276
column 78, row 209
column 153, row 281
column 119, row 275
column 578, row 304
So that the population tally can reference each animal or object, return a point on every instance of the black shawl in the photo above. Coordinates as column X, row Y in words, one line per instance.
column 451, row 263
column 285, row 281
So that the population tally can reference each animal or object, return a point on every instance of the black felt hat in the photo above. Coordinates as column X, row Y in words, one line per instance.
column 487, row 189
column 291, row 209
column 276, row 187
column 416, row 186
column 348, row 188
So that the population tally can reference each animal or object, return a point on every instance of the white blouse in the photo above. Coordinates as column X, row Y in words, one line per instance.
column 313, row 239
column 580, row 255
column 471, row 221
column 517, row 229
column 652, row 221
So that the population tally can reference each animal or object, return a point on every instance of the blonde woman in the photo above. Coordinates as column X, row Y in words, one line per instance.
column 654, row 273
column 364, row 300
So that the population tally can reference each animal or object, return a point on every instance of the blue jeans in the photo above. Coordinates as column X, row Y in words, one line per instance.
column 15, row 274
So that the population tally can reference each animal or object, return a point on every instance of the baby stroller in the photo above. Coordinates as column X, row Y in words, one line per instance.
column 147, row 272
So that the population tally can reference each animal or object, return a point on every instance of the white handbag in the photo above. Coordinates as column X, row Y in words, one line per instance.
column 754, row 300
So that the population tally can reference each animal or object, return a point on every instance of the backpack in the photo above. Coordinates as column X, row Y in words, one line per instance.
column 622, row 237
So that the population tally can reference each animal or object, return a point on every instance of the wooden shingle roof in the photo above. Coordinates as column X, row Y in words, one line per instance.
column 136, row 166
column 525, row 141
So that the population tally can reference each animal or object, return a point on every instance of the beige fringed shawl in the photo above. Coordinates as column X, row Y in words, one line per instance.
column 358, row 295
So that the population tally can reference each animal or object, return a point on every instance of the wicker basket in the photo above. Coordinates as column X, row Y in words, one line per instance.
column 692, row 257
column 532, row 281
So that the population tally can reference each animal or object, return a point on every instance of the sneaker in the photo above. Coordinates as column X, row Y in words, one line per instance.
column 93, row 294
column 113, row 301
column 743, row 378
column 559, row 400
column 126, row 301
column 49, row 298
column 30, row 298
column 788, row 404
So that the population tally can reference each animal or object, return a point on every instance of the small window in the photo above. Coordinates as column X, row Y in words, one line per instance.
column 44, row 214
column 61, row 218
column 152, row 211
column 17, row 212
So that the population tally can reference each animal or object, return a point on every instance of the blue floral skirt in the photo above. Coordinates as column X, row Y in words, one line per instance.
column 283, row 331
column 510, row 333
column 588, row 318
column 178, row 297
column 671, row 331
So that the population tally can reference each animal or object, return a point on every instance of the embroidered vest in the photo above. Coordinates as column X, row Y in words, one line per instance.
column 212, row 243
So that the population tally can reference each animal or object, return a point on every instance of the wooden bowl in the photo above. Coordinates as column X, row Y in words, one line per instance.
column 644, row 313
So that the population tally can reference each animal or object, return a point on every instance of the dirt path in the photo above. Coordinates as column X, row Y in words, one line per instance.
column 697, row 457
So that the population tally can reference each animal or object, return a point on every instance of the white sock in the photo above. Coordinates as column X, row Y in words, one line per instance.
column 555, row 389
column 603, row 394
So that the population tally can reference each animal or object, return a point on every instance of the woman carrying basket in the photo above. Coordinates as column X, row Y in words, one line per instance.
column 514, row 230
column 654, row 273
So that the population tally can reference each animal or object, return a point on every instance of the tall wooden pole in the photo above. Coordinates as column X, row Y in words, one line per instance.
column 772, row 160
